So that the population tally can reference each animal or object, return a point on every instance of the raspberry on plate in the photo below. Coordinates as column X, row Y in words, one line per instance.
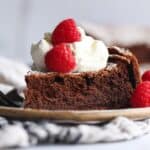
column 60, row 59
column 66, row 32
column 146, row 76
column 141, row 95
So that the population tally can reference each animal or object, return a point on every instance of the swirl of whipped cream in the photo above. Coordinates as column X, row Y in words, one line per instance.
column 90, row 54
column 38, row 52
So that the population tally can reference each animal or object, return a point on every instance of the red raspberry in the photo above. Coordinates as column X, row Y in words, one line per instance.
column 60, row 59
column 141, row 95
column 146, row 76
column 66, row 32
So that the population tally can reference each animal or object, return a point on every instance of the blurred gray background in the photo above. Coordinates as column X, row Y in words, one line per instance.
column 24, row 21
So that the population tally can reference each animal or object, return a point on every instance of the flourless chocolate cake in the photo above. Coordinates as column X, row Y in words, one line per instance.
column 108, row 88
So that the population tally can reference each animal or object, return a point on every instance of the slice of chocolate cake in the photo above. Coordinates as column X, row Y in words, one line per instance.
column 108, row 88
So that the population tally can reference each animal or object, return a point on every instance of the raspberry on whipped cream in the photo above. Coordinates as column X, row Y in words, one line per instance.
column 90, row 54
column 58, row 55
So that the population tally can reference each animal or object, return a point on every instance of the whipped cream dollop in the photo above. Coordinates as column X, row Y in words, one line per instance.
column 90, row 54
column 38, row 52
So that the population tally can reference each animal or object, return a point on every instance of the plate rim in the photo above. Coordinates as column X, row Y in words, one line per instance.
column 75, row 115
